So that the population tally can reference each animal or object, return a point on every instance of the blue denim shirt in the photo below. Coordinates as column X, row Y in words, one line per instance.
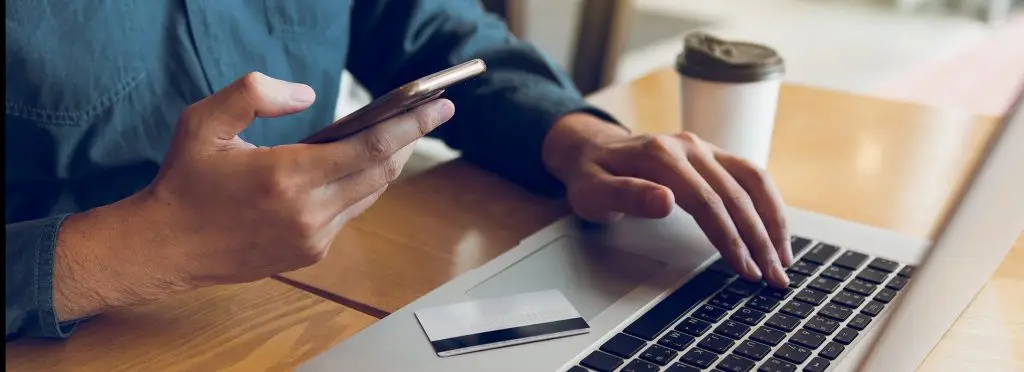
column 94, row 89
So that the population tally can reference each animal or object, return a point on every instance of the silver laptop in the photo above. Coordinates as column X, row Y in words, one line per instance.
column 658, row 298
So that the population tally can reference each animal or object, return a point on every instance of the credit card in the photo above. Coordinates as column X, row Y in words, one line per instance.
column 485, row 324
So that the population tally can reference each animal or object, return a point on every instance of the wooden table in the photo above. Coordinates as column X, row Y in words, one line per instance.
column 427, row 229
column 888, row 164
column 261, row 326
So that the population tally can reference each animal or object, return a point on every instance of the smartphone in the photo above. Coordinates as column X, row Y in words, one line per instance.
column 397, row 102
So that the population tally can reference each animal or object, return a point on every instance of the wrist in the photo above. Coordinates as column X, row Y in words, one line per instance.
column 104, row 259
column 570, row 137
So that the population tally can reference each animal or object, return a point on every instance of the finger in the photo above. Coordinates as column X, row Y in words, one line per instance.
column 227, row 112
column 344, row 193
column 766, row 198
column 335, row 160
column 330, row 232
column 604, row 198
column 744, row 216
column 665, row 165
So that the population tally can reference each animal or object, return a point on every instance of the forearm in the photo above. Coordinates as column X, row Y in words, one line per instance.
column 64, row 268
column 98, row 265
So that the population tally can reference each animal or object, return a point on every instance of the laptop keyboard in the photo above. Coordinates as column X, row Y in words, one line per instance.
column 718, row 321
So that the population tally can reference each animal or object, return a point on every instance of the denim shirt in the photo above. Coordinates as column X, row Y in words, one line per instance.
column 94, row 90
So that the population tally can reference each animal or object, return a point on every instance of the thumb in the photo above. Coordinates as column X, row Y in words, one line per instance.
column 605, row 198
column 227, row 112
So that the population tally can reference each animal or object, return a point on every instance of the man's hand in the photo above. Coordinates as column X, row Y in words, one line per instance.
column 222, row 210
column 608, row 172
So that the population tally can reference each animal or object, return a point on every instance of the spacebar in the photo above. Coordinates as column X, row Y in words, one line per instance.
column 669, row 310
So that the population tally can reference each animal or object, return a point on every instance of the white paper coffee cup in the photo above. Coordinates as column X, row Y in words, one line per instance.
column 730, row 92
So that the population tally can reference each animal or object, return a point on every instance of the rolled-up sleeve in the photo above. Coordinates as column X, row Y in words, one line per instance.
column 502, row 116
column 29, row 279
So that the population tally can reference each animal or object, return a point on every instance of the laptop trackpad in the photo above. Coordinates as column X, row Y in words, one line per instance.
column 591, row 276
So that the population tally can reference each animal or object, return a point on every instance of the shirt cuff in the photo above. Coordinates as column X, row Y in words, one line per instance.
column 45, row 322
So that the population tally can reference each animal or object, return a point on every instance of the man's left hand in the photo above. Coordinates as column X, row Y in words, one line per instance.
column 609, row 173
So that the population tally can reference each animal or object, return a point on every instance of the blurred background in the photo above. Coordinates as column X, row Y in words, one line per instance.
column 963, row 54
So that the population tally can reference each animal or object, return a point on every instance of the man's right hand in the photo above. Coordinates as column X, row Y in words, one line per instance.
column 222, row 210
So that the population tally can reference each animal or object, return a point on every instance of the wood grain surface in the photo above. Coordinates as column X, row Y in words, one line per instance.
column 261, row 326
column 887, row 164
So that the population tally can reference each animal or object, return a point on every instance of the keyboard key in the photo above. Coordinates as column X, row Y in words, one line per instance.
column 753, row 350
column 726, row 300
column 658, row 354
column 796, row 279
column 679, row 367
column 676, row 340
column 623, row 345
column 821, row 253
column 601, row 361
column 744, row 288
column 798, row 245
column 768, row 336
column 861, row 287
column 832, row 350
column 777, row 365
column 798, row 309
column 859, row 322
column 851, row 260
column 777, row 293
column 872, row 275
column 897, row 283
column 816, row 365
column 763, row 303
column 709, row 313
column 885, row 295
column 733, row 330
column 806, row 338
column 848, row 299
column 733, row 363
column 638, row 365
column 716, row 343
column 805, row 267
column 793, row 353
column 824, row 284
column 873, row 308
column 906, row 271
column 846, row 336
column 835, row 311
column 822, row 325
column 885, row 265
column 837, row 273
column 662, row 315
column 748, row 316
column 693, row 326
column 783, row 322
column 811, row 296
column 699, row 357
column 577, row 369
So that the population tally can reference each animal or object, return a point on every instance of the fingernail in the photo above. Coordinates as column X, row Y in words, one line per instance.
column 752, row 268
column 655, row 201
column 302, row 93
column 780, row 275
column 445, row 110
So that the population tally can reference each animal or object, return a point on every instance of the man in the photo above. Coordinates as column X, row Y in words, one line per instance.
column 139, row 164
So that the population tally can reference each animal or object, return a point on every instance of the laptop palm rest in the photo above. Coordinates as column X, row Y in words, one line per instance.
column 591, row 275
